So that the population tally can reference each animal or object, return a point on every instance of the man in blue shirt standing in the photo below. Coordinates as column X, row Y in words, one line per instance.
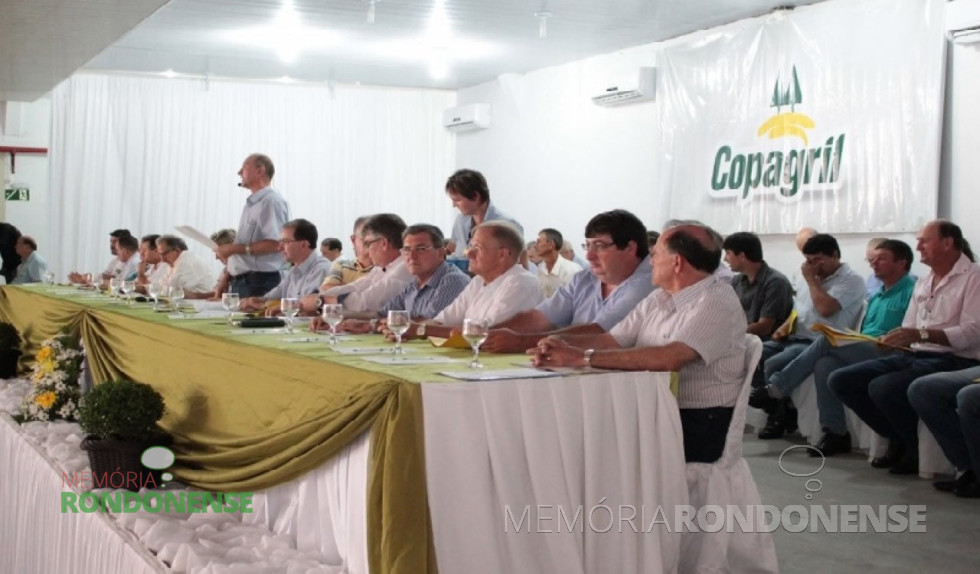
column 470, row 194
column 254, row 259
column 619, row 277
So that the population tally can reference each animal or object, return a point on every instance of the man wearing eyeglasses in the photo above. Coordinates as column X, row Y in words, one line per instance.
column 253, row 259
column 618, row 279
column 187, row 271
column 297, row 244
column 437, row 283
column 501, row 287
column 382, row 238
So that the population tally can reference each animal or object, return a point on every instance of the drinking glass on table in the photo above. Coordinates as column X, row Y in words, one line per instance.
column 475, row 332
column 290, row 308
column 230, row 302
column 88, row 278
column 114, row 284
column 127, row 288
column 154, row 290
column 398, row 323
column 49, row 277
column 176, row 297
column 333, row 314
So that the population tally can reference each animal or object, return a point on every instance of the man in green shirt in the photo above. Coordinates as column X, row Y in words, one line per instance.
column 891, row 263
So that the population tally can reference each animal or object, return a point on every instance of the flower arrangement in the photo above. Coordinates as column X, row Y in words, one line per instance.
column 55, row 391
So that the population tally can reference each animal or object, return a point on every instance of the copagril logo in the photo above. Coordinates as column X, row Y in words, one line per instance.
column 779, row 172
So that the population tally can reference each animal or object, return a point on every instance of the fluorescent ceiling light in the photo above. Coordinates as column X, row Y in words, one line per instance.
column 287, row 36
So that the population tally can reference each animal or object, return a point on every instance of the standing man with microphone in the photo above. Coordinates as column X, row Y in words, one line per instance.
column 254, row 259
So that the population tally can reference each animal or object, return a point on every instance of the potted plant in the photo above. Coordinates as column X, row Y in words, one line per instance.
column 9, row 350
column 120, row 418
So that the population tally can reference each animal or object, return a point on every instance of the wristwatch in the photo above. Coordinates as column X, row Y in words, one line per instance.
column 420, row 330
column 248, row 249
column 923, row 334
column 587, row 355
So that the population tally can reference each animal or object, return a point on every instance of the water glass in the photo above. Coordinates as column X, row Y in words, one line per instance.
column 230, row 302
column 114, row 285
column 176, row 297
column 475, row 332
column 49, row 277
column 333, row 314
column 290, row 308
column 127, row 288
column 154, row 290
column 398, row 323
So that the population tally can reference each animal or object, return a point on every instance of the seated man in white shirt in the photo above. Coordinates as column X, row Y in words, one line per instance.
column 151, row 268
column 127, row 251
column 382, row 238
column 298, row 245
column 693, row 324
column 187, row 270
column 110, row 270
column 555, row 271
column 501, row 288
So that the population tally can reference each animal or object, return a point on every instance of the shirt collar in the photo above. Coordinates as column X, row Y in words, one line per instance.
column 259, row 195
column 310, row 260
column 687, row 296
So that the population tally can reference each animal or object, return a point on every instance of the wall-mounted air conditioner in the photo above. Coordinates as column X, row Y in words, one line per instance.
column 963, row 21
column 635, row 87
column 466, row 118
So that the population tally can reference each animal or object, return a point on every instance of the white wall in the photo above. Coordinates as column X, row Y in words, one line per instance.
column 31, row 217
column 553, row 159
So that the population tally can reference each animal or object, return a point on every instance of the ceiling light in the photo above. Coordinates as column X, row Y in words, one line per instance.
column 370, row 14
column 287, row 36
column 286, row 80
column 169, row 73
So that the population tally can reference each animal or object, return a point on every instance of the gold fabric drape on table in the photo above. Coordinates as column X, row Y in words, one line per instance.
column 246, row 415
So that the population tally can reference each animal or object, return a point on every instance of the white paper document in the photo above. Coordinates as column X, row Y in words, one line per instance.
column 420, row 360
column 196, row 235
column 257, row 332
column 498, row 375
column 369, row 350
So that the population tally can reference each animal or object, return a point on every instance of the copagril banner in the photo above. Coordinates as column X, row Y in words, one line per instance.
column 828, row 116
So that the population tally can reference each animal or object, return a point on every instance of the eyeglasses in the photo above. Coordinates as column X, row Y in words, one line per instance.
column 598, row 246
column 418, row 250
column 287, row 241
column 370, row 242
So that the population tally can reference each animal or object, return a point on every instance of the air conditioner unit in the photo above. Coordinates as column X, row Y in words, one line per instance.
column 466, row 118
column 639, row 87
column 963, row 21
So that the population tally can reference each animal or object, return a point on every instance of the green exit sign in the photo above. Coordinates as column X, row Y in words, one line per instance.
column 17, row 194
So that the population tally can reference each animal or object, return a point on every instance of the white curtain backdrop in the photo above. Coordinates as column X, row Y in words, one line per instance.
column 150, row 153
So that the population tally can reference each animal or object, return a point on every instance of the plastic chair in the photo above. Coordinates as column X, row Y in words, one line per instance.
column 728, row 481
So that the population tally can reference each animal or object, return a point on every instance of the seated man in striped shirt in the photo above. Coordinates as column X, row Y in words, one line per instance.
column 693, row 324
column 436, row 283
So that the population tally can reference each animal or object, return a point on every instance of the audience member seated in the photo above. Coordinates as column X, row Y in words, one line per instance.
column 873, row 284
column 652, row 237
column 331, row 248
column 382, row 236
column 554, row 271
column 942, row 327
column 470, row 194
column 151, row 268
column 766, row 294
column 568, row 252
column 111, row 269
column 222, row 237
column 891, row 262
column 436, row 285
column 693, row 324
column 32, row 266
column 500, row 288
column 187, row 271
column 298, row 245
column 619, row 277
column 949, row 405
column 833, row 296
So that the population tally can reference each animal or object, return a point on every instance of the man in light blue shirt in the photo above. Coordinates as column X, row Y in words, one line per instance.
column 470, row 194
column 254, row 260
column 298, row 244
column 833, row 295
column 619, row 278
column 32, row 267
